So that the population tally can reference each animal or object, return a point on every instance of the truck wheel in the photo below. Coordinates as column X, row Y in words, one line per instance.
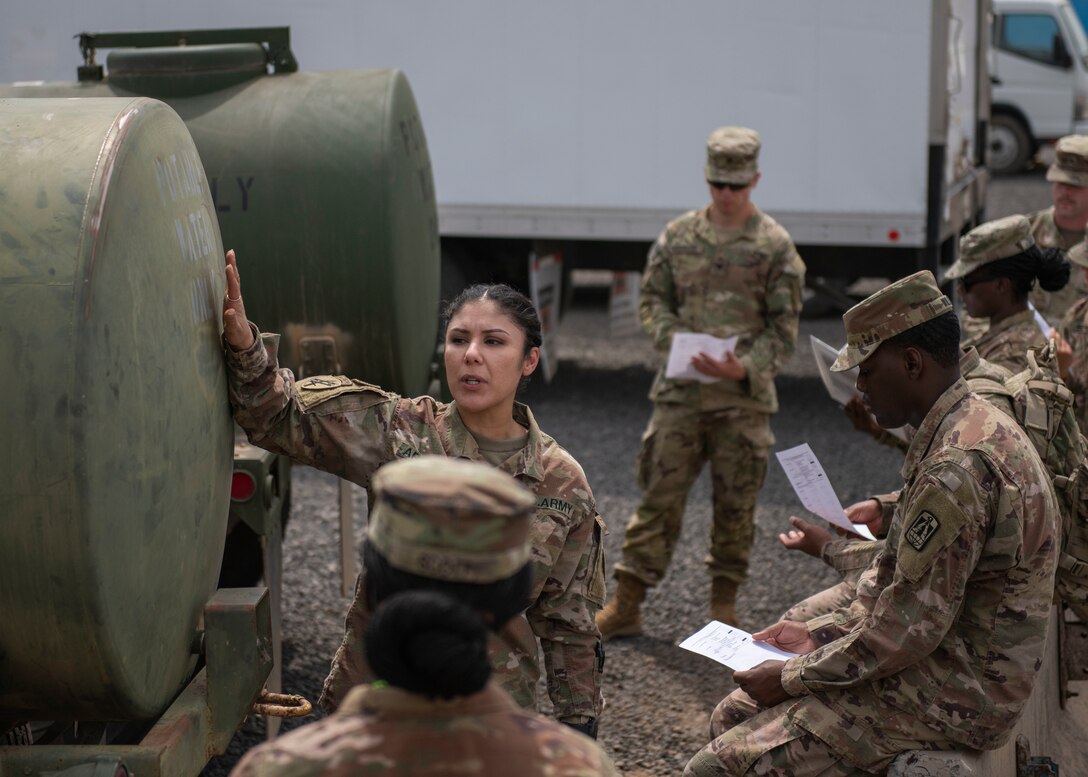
column 1010, row 144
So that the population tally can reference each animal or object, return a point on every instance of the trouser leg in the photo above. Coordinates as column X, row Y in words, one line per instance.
column 767, row 743
column 669, row 462
column 349, row 665
column 827, row 600
column 738, row 448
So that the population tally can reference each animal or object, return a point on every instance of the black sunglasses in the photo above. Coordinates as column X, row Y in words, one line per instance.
column 733, row 187
column 967, row 282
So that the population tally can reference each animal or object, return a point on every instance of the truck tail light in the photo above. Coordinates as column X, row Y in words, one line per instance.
column 242, row 486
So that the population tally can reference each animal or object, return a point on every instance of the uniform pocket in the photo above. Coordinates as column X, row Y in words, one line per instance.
column 596, row 582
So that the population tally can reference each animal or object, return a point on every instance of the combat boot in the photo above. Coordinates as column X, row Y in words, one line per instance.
column 620, row 616
column 723, row 599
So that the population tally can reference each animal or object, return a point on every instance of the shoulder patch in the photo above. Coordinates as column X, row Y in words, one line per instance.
column 933, row 517
column 922, row 529
column 320, row 388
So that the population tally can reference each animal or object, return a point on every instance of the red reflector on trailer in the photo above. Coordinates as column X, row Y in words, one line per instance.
column 242, row 486
column 893, row 235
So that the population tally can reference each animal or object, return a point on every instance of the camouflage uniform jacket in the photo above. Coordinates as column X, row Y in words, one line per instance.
column 1006, row 344
column 351, row 428
column 748, row 286
column 955, row 607
column 1074, row 329
column 389, row 731
column 1054, row 304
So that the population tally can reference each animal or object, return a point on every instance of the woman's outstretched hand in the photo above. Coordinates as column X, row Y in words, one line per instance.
column 236, row 328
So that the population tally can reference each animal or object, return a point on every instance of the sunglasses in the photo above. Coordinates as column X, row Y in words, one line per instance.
column 968, row 282
column 733, row 187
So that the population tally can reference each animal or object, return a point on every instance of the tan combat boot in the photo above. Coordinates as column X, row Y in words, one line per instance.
column 723, row 599
column 620, row 615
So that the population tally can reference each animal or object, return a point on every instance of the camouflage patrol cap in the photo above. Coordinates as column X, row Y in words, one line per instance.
column 990, row 242
column 731, row 155
column 891, row 311
column 1070, row 161
column 450, row 519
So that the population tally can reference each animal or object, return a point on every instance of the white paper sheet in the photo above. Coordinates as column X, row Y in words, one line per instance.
column 840, row 385
column 810, row 482
column 732, row 646
column 1040, row 321
column 686, row 345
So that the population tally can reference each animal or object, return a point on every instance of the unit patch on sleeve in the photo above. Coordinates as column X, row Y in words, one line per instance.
column 922, row 529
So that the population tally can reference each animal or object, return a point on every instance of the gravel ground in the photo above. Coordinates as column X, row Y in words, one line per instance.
column 658, row 696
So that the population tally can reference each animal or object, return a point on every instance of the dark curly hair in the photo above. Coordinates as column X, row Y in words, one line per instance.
column 939, row 337
column 1048, row 266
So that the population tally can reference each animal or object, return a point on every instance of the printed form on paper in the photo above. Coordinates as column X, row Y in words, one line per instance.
column 810, row 482
column 732, row 646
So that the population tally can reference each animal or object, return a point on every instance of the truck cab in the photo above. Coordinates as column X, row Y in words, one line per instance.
column 1039, row 73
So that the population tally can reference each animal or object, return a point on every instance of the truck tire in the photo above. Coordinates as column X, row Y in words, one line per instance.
column 1011, row 146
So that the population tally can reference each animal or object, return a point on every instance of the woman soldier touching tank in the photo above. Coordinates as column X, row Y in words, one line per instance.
column 351, row 428
column 447, row 556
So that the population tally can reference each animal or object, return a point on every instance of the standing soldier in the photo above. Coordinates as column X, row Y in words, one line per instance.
column 1062, row 224
column 727, row 269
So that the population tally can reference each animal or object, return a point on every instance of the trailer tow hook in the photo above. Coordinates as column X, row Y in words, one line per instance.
column 282, row 705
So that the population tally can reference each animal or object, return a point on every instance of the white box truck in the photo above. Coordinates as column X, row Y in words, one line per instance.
column 578, row 128
column 1039, row 72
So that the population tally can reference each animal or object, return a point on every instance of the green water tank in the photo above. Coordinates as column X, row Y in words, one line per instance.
column 322, row 184
column 117, row 449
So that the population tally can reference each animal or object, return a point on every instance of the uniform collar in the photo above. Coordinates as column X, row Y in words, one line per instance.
column 1019, row 319
column 397, row 703
column 923, row 438
column 527, row 461
column 708, row 232
column 969, row 360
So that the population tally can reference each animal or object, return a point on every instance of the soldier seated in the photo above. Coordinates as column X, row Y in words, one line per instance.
column 938, row 649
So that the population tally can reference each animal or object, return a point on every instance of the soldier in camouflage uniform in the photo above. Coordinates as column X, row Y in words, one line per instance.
column 940, row 646
column 727, row 269
column 447, row 540
column 1073, row 343
column 351, row 428
column 1062, row 225
column 849, row 556
column 999, row 264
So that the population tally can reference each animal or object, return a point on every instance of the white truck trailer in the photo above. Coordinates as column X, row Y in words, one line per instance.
column 578, row 129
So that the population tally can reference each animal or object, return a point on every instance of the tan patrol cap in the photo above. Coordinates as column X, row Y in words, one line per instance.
column 991, row 242
column 732, row 154
column 1070, row 161
column 450, row 519
column 891, row 311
